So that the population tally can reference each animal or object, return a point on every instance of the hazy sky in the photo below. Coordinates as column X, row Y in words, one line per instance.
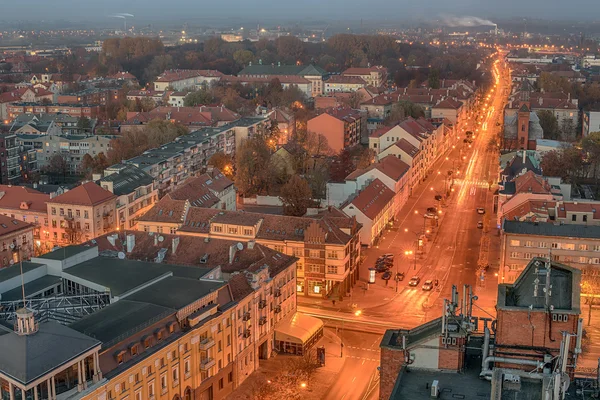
column 294, row 9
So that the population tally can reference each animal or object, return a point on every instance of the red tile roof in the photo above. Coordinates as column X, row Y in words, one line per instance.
column 407, row 147
column 180, row 74
column 390, row 166
column 449, row 103
column 284, row 79
column 11, row 225
column 363, row 71
column 529, row 182
column 88, row 194
column 381, row 131
column 23, row 198
column 344, row 113
column 348, row 80
column 123, row 75
column 373, row 199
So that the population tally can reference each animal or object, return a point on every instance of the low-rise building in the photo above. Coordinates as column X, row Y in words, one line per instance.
column 344, row 83
column 75, row 110
column 27, row 205
column 342, row 127
column 590, row 122
column 81, row 213
column 136, row 190
column 51, row 124
column 191, row 117
column 16, row 237
column 180, row 79
column 314, row 74
column 327, row 245
column 374, row 76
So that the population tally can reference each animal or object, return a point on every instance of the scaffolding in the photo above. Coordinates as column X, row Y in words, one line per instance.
column 64, row 309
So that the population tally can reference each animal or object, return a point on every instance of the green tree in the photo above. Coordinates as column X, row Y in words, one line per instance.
column 57, row 166
column 434, row 78
column 296, row 196
column 252, row 161
column 87, row 166
column 84, row 123
column 591, row 148
column 567, row 128
column 549, row 124
column 197, row 98
column 404, row 109
column 243, row 57
column 223, row 162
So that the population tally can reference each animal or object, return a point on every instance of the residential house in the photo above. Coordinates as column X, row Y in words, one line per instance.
column 177, row 99
column 286, row 122
column 342, row 127
column 27, row 205
column 22, row 95
column 50, row 124
column 16, row 237
column 590, row 122
column 81, row 213
column 192, row 117
column 136, row 190
column 75, row 110
column 373, row 208
column 156, row 97
column 449, row 109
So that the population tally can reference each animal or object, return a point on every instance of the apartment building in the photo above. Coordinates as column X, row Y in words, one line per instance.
column 27, row 205
column 75, row 110
column 449, row 109
column 103, row 96
column 327, row 245
column 50, row 124
column 136, row 192
column 191, row 117
column 178, row 327
column 16, row 163
column 342, row 127
column 287, row 81
column 590, row 122
column 172, row 163
column 81, row 213
column 17, row 240
column 575, row 245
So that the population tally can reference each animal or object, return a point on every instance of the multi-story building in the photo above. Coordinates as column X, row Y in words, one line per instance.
column 327, row 245
column 15, row 161
column 71, row 147
column 191, row 324
column 314, row 74
column 23, row 95
column 16, row 237
column 374, row 76
column 50, row 124
column 172, row 163
column 342, row 127
column 74, row 110
column 27, row 205
column 304, row 85
column 191, row 117
column 102, row 96
column 590, row 122
column 180, row 79
column 576, row 245
column 448, row 109
column 81, row 213
column 344, row 83
column 136, row 190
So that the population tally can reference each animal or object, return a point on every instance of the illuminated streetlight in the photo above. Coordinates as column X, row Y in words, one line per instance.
column 357, row 313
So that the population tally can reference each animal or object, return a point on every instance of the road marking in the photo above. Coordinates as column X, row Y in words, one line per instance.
column 363, row 363
column 353, row 379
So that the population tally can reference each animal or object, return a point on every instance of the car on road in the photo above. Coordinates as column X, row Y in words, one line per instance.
column 480, row 210
column 399, row 276
column 387, row 275
column 430, row 215
column 432, row 210
column 414, row 281
column 428, row 285
column 385, row 261
column 480, row 225
column 382, row 268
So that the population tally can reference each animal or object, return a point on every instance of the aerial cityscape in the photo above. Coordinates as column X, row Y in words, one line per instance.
column 289, row 201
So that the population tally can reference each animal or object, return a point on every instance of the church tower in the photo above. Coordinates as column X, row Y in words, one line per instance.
column 523, row 127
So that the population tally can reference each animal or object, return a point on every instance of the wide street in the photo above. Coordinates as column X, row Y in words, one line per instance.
column 450, row 253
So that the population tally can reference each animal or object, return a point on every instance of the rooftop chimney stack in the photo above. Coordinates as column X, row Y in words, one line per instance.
column 130, row 242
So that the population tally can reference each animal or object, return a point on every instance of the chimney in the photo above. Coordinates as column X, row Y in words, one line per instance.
column 524, row 156
column 155, row 240
column 232, row 251
column 541, row 100
column 130, row 242
column 112, row 239
column 251, row 245
column 175, row 244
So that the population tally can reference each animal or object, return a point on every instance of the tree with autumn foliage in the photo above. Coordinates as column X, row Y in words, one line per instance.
column 223, row 162
column 296, row 196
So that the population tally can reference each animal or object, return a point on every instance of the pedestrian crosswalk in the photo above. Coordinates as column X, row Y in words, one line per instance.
column 363, row 349
column 472, row 182
column 365, row 359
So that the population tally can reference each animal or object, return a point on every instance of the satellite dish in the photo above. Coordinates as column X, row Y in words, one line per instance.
column 240, row 246
column 12, row 245
column 160, row 238
column 121, row 255
column 11, row 262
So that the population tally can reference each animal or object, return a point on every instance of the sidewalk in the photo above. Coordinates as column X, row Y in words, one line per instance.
column 320, row 382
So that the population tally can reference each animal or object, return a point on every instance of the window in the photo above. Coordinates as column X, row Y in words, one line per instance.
column 515, row 254
column 596, row 247
column 543, row 245
column 220, row 383
column 228, row 340
column 54, row 224
column 515, row 243
column 146, row 342
column 86, row 215
column 529, row 243
column 583, row 247
column 62, row 211
column 53, row 210
column 314, row 268
column 583, row 260
column 585, row 218
column 137, row 378
column 186, row 367
column 299, row 266
column 134, row 350
column 332, row 269
column 230, row 377
column 332, row 254
column 568, row 246
column 555, row 245
column 220, row 346
column 217, row 228
column 120, row 358
column 247, row 232
column 138, row 394
column 163, row 382
column 77, row 213
column 232, row 231
column 175, row 375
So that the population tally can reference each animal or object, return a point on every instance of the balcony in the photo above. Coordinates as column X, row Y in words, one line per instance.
column 277, row 293
column 246, row 316
column 207, row 363
column 246, row 334
column 262, row 304
column 262, row 320
column 277, row 309
column 207, row 343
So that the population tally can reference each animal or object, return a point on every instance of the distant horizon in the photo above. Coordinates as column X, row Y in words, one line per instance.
column 152, row 11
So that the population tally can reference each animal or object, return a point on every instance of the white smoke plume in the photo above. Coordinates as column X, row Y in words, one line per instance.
column 467, row 21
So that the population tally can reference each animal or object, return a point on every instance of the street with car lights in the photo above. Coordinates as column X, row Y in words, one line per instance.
column 447, row 246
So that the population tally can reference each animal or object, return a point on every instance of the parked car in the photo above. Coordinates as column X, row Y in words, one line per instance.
column 387, row 255
column 385, row 261
column 480, row 210
column 414, row 281
column 399, row 276
column 480, row 225
column 387, row 275
column 431, row 215
column 428, row 285
column 382, row 268
column 432, row 210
